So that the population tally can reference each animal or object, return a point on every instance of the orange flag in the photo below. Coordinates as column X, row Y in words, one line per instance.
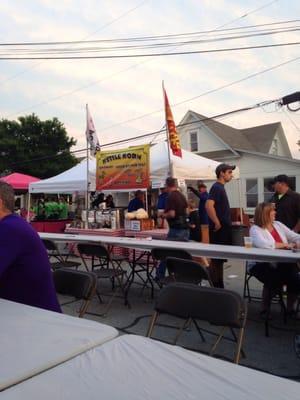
column 173, row 136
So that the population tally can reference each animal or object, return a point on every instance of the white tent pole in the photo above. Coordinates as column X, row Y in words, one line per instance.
column 87, row 206
column 240, row 200
column 170, row 173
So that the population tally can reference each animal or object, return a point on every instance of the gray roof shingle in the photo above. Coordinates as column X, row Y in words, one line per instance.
column 257, row 138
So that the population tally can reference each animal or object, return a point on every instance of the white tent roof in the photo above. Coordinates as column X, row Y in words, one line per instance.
column 70, row 181
column 190, row 166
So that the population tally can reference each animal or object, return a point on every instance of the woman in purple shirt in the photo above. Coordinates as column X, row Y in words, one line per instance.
column 25, row 272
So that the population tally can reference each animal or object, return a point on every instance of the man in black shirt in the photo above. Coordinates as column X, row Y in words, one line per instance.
column 218, row 210
column 176, row 212
column 287, row 203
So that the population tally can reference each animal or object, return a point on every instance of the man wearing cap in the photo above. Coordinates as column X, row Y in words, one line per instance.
column 176, row 212
column 218, row 210
column 287, row 203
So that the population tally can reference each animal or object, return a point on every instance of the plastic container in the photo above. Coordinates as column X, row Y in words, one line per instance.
column 238, row 234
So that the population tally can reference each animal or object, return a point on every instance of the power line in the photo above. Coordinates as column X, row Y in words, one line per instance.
column 228, row 49
column 228, row 113
column 76, row 50
column 206, row 93
column 95, row 82
column 12, row 77
column 156, row 37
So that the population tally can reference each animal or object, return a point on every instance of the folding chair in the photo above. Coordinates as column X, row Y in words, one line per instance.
column 104, row 267
column 219, row 307
column 188, row 271
column 61, row 259
column 161, row 254
column 79, row 284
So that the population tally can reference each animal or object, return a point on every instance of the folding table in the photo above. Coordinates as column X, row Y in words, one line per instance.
column 33, row 340
column 133, row 368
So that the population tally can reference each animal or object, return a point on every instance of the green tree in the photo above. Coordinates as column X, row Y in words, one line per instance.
column 34, row 147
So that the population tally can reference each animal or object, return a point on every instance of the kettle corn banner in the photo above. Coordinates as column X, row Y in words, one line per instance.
column 123, row 169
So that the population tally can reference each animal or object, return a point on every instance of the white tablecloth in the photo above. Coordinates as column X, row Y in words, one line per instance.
column 32, row 340
column 135, row 368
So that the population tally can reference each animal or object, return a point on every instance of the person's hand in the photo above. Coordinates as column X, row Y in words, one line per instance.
column 218, row 226
column 286, row 246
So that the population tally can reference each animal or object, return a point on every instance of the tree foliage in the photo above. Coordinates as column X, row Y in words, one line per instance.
column 34, row 147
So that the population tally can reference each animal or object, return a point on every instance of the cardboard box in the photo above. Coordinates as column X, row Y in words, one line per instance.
column 138, row 224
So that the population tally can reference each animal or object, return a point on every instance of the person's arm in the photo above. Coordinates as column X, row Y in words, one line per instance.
column 291, row 236
column 131, row 207
column 297, row 227
column 196, row 192
column 211, row 212
column 168, row 214
column 261, row 239
column 8, row 249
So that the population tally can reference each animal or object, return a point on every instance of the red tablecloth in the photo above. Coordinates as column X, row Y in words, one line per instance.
column 55, row 226
column 154, row 234
column 118, row 251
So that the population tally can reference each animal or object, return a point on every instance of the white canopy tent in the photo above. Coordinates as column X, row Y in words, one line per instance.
column 70, row 181
column 189, row 167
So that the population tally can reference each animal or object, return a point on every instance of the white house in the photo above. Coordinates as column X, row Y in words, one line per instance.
column 260, row 152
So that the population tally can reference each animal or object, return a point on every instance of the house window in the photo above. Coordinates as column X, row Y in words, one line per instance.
column 194, row 141
column 268, row 189
column 251, row 192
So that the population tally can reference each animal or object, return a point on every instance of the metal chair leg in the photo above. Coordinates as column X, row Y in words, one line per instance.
column 152, row 323
column 212, row 350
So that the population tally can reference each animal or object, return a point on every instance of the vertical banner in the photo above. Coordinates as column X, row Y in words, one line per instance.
column 91, row 135
column 171, row 127
column 123, row 169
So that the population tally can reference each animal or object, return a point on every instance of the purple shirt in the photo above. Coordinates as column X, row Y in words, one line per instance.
column 25, row 272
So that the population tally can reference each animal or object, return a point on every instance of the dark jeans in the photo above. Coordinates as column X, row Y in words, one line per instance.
column 222, row 236
column 274, row 276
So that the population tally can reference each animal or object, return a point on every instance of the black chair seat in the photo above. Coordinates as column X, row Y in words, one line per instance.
column 192, row 302
column 78, row 284
column 64, row 264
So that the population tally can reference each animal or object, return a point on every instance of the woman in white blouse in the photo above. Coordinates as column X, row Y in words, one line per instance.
column 267, row 233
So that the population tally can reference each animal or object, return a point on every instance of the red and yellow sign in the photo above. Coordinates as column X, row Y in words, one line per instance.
column 123, row 169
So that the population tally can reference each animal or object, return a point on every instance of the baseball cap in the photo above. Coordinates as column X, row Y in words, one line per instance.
column 281, row 178
column 223, row 168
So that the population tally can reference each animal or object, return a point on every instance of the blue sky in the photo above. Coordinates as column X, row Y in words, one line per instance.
column 120, row 92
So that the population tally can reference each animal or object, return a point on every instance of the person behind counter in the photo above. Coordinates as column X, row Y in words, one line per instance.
column 137, row 202
column 109, row 201
column 25, row 273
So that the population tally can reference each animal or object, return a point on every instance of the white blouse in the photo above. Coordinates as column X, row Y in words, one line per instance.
column 262, row 238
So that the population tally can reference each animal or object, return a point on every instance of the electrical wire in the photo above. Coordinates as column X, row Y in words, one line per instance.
column 78, row 50
column 153, row 38
column 92, row 83
column 228, row 113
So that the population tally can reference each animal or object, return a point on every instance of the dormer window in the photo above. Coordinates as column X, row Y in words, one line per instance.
column 194, row 141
